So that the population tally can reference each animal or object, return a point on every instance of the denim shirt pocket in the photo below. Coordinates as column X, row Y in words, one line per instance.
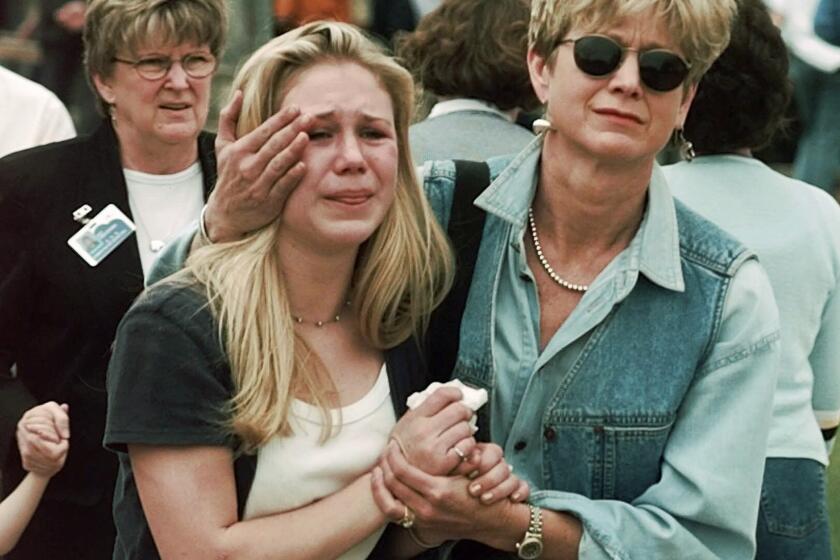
column 610, row 458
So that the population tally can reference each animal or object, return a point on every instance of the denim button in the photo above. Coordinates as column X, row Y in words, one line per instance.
column 519, row 446
column 549, row 434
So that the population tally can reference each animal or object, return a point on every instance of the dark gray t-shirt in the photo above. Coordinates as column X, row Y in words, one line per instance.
column 169, row 383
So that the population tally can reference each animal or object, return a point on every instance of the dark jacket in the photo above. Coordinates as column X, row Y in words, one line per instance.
column 58, row 315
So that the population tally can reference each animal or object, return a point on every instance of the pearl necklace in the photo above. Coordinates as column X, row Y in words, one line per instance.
column 554, row 276
column 300, row 320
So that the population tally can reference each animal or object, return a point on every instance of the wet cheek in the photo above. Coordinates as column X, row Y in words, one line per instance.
column 314, row 160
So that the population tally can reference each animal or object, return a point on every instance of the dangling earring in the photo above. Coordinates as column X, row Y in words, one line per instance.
column 113, row 114
column 684, row 145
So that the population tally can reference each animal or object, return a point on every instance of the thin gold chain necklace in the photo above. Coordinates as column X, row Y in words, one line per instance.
column 337, row 318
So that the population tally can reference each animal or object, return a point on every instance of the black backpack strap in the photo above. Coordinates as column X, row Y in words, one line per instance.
column 466, row 225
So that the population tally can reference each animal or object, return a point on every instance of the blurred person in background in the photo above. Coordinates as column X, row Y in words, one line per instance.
column 289, row 14
column 59, row 34
column 795, row 230
column 815, row 72
column 251, row 25
column 390, row 17
column 471, row 56
column 30, row 114
column 151, row 63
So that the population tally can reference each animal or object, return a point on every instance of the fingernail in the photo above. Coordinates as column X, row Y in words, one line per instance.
column 475, row 489
column 487, row 496
column 472, row 475
column 515, row 497
column 474, row 429
column 510, row 468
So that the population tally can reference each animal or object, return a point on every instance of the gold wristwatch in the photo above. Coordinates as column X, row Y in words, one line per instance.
column 531, row 545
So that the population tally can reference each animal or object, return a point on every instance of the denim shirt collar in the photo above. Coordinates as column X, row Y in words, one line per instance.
column 509, row 196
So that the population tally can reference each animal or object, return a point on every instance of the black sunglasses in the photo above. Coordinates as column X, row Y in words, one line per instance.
column 599, row 55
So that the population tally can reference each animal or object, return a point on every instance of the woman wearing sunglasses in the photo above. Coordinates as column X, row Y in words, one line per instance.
column 628, row 345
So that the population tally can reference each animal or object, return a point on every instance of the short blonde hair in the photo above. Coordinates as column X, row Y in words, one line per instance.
column 118, row 26
column 700, row 28
column 402, row 272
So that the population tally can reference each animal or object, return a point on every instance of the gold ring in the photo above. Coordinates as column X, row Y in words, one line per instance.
column 459, row 453
column 407, row 520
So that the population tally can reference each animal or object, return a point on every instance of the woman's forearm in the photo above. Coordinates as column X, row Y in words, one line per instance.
column 399, row 545
column 561, row 532
column 323, row 529
column 17, row 509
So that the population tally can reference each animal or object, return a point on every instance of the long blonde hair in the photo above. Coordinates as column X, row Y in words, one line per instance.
column 402, row 272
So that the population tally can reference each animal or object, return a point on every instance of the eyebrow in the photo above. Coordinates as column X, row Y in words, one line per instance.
column 365, row 116
column 151, row 53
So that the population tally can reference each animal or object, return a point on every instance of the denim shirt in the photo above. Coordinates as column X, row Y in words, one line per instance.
column 646, row 415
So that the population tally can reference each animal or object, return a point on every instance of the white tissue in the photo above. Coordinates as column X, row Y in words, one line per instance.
column 472, row 398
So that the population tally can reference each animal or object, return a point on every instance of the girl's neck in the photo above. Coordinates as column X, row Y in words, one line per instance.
column 318, row 284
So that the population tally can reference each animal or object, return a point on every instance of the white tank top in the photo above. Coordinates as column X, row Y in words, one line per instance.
column 293, row 471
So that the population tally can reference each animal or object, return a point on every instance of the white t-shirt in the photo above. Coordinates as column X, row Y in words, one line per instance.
column 30, row 114
column 161, row 207
column 296, row 470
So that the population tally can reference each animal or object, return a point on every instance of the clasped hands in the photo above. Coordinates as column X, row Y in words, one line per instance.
column 436, row 480
column 43, row 436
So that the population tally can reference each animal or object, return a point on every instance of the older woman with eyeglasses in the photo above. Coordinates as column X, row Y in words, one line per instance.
column 629, row 346
column 82, row 222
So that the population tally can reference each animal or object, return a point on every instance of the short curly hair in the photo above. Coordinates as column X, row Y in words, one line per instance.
column 475, row 49
column 120, row 27
column 742, row 99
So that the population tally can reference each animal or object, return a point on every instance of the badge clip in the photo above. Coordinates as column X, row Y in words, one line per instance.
column 80, row 213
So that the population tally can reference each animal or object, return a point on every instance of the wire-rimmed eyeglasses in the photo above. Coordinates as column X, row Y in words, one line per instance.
column 195, row 65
